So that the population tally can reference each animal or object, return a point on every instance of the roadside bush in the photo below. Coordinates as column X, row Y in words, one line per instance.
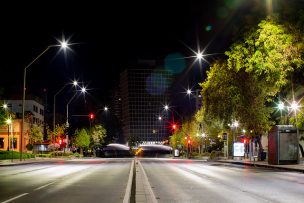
column 14, row 155
column 206, row 154
column 76, row 154
column 60, row 153
column 43, row 155
column 195, row 154
column 29, row 147
column 215, row 154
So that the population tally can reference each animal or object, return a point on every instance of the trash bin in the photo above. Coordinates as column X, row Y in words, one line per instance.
column 263, row 156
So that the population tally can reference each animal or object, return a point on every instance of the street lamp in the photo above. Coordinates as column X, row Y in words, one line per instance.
column 8, row 122
column 83, row 90
column 281, row 108
column 75, row 83
column 63, row 45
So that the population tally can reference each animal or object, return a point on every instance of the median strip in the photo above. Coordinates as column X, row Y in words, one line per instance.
column 144, row 192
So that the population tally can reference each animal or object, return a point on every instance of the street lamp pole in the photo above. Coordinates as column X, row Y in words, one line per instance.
column 75, row 83
column 67, row 109
column 8, row 122
column 64, row 45
column 83, row 90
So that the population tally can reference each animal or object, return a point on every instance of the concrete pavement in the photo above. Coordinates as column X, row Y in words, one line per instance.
column 291, row 167
column 9, row 162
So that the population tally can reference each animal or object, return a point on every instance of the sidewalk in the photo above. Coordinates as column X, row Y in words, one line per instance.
column 9, row 162
column 294, row 167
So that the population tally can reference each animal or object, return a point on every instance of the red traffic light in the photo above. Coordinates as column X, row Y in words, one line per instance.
column 91, row 116
column 174, row 126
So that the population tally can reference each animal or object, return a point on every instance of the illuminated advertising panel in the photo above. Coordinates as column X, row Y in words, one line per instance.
column 238, row 149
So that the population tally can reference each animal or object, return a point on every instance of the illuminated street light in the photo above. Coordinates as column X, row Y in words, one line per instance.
column 83, row 91
column 199, row 56
column 166, row 107
column 75, row 83
column 294, row 106
column 189, row 91
column 63, row 45
column 106, row 108
column 281, row 106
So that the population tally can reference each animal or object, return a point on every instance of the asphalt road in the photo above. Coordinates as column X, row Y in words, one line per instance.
column 170, row 180
column 196, row 181
column 91, row 180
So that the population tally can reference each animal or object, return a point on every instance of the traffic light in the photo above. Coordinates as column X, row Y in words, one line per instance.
column 173, row 126
column 91, row 116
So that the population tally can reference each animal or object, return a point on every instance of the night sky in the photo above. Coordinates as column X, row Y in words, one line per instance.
column 110, row 37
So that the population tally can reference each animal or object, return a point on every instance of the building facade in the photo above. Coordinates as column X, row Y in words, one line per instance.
column 144, row 92
column 10, row 134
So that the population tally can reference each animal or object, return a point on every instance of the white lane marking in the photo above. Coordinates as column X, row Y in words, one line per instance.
column 11, row 199
column 129, row 185
column 43, row 186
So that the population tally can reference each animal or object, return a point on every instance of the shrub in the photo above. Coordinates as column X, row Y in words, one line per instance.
column 14, row 155
column 76, row 154
column 29, row 147
column 215, row 154
column 43, row 155
column 195, row 154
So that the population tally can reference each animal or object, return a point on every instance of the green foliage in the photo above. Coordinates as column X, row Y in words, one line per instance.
column 3, row 114
column 44, row 155
column 60, row 153
column 82, row 138
column 98, row 133
column 215, row 154
column 36, row 133
column 257, row 67
column 15, row 155
column 75, row 155
column 29, row 147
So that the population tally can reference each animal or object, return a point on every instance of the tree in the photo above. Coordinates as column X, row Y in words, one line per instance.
column 58, row 132
column 82, row 139
column 98, row 134
column 258, row 66
column 270, row 53
column 36, row 133
column 3, row 115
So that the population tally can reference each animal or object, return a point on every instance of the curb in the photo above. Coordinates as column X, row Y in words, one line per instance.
column 280, row 167
column 24, row 162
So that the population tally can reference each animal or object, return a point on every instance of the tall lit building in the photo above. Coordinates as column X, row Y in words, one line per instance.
column 144, row 92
